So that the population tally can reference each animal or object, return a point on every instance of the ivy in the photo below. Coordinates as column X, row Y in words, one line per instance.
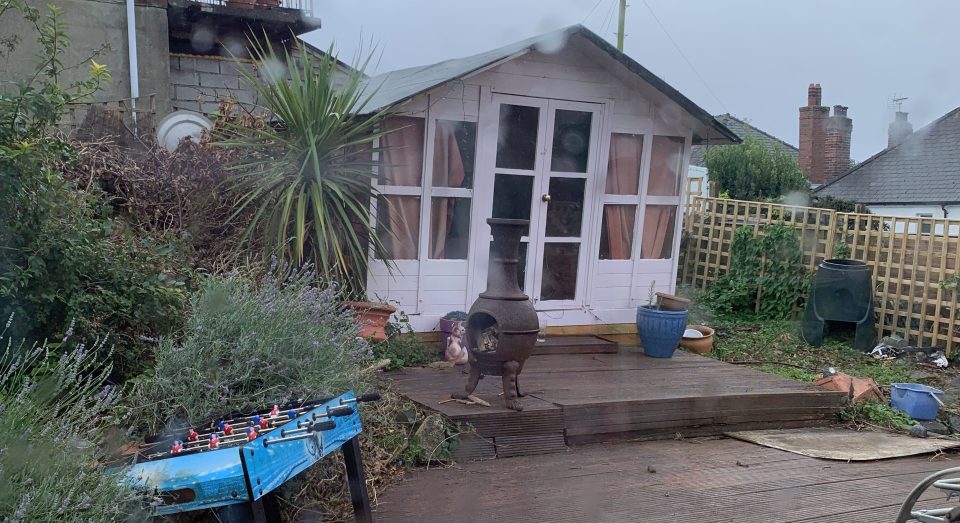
column 767, row 274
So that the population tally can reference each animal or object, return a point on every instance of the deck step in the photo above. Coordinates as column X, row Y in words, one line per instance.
column 554, row 345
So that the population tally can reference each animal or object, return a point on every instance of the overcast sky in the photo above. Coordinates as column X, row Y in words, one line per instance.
column 755, row 57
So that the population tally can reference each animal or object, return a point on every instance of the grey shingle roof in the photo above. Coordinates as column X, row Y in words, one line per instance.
column 924, row 168
column 401, row 85
column 742, row 129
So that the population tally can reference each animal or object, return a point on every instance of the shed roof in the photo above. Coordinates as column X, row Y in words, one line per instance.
column 924, row 168
column 401, row 85
column 742, row 129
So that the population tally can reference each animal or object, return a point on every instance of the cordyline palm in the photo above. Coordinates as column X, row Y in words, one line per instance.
column 305, row 177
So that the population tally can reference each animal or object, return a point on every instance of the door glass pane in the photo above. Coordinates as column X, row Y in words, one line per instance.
column 616, row 232
column 659, row 222
column 402, row 151
column 512, row 194
column 454, row 149
column 666, row 158
column 559, row 278
column 449, row 228
column 571, row 141
column 398, row 225
column 517, row 137
column 565, row 210
column 623, row 167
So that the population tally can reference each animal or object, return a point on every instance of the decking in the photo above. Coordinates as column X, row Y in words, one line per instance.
column 587, row 390
column 703, row 479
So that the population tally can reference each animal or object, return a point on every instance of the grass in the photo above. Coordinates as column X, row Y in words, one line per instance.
column 776, row 347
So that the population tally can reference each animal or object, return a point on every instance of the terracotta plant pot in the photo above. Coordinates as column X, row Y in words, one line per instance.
column 669, row 302
column 372, row 318
column 698, row 345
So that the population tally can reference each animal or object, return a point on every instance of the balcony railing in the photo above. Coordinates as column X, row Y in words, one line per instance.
column 303, row 5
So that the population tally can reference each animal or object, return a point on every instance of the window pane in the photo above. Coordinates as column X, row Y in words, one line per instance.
column 666, row 158
column 659, row 222
column 454, row 150
column 623, row 167
column 559, row 271
column 517, row 137
column 565, row 210
column 398, row 225
column 616, row 232
column 512, row 194
column 403, row 151
column 449, row 228
column 571, row 141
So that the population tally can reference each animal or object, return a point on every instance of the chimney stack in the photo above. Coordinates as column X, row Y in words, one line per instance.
column 813, row 120
column 900, row 129
column 836, row 149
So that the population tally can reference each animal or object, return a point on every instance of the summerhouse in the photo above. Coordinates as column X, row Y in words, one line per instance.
column 561, row 129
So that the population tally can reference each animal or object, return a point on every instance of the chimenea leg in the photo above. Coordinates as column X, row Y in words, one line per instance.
column 472, row 382
column 510, row 399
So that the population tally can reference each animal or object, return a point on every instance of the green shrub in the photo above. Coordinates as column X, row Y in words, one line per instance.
column 64, row 260
column 767, row 274
column 250, row 344
column 750, row 171
column 52, row 413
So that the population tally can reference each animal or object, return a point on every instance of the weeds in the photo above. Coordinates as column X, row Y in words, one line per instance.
column 402, row 347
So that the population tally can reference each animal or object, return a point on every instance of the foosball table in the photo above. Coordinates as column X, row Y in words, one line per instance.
column 232, row 465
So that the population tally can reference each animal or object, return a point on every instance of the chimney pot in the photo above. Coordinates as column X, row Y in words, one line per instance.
column 814, row 95
column 839, row 110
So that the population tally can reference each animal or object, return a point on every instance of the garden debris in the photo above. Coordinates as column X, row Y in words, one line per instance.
column 934, row 427
column 893, row 347
column 858, row 389
column 471, row 400
column 917, row 431
column 441, row 365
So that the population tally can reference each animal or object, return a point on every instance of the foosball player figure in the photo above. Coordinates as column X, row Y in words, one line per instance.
column 214, row 441
column 177, row 447
column 225, row 427
column 192, row 435
column 252, row 433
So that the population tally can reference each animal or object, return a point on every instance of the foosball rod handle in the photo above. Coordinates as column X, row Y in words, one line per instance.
column 372, row 396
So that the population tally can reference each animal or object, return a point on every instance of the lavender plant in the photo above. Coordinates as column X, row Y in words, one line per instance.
column 53, row 408
column 248, row 345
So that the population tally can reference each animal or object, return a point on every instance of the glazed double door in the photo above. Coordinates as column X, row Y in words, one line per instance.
column 544, row 166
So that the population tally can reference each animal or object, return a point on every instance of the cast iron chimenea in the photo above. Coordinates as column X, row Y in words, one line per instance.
column 502, row 325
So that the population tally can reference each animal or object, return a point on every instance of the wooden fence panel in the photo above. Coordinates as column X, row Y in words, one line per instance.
column 908, row 257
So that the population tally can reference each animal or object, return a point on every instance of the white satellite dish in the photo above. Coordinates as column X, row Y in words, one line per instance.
column 179, row 125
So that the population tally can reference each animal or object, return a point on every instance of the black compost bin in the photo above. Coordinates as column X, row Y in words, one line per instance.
column 842, row 290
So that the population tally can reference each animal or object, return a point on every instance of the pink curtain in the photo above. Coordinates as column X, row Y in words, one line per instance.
column 623, row 178
column 403, row 165
column 658, row 225
column 448, row 171
column 665, row 159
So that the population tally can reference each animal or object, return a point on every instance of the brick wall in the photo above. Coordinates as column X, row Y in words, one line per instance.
column 836, row 150
column 824, row 139
column 197, row 82
column 813, row 120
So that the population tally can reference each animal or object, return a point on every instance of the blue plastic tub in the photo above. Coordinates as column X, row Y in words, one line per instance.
column 916, row 400
column 660, row 331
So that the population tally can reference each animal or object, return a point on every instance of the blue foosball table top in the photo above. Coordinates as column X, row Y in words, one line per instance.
column 242, row 459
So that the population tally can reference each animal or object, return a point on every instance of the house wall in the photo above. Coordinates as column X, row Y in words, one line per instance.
column 90, row 24
column 426, row 289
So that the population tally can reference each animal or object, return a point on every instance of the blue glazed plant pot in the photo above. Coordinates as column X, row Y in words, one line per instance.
column 660, row 331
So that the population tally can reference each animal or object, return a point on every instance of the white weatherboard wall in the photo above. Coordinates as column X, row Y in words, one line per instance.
column 426, row 289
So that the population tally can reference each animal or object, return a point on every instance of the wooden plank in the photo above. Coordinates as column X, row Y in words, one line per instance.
column 699, row 480
column 574, row 345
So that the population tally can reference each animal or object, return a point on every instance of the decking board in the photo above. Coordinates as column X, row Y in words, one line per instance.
column 584, row 397
column 694, row 480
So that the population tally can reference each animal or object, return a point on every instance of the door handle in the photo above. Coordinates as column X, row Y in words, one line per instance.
column 545, row 197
